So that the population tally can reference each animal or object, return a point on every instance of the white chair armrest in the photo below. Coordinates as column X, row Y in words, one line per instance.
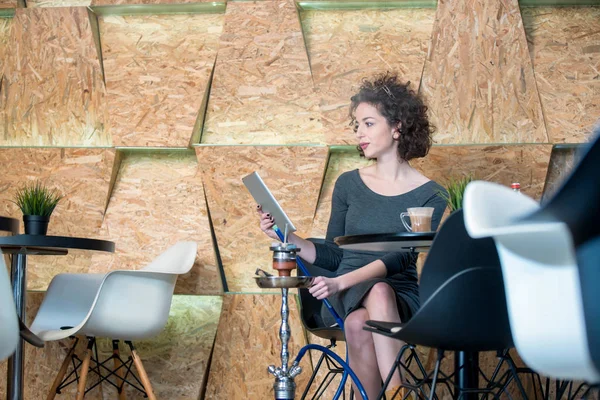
column 490, row 209
column 68, row 300
column 131, row 305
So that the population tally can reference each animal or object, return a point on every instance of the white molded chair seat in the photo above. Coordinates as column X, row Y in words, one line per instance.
column 123, row 305
column 9, row 324
column 548, row 255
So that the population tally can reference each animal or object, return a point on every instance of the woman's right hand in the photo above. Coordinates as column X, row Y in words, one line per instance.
column 266, row 223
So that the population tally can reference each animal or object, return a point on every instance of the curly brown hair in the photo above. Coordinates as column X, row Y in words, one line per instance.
column 398, row 104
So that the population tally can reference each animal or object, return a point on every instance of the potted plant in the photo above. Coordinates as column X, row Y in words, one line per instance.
column 37, row 202
column 456, row 190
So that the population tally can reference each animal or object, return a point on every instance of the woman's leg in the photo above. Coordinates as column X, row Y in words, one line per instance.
column 361, row 352
column 381, row 305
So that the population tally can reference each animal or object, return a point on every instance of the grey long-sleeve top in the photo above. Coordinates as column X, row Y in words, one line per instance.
column 357, row 210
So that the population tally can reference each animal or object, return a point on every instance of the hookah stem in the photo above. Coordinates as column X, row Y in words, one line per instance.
column 284, row 331
column 306, row 273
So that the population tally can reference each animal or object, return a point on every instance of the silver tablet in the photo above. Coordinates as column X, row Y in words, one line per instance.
column 263, row 196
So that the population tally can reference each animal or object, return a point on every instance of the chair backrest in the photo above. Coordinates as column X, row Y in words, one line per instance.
column 577, row 201
column 462, row 292
column 177, row 259
column 453, row 251
column 135, row 305
column 9, row 325
column 310, row 307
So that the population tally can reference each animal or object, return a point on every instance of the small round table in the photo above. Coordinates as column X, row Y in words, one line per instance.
column 20, row 246
column 387, row 242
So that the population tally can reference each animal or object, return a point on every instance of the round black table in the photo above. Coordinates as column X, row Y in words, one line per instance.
column 387, row 242
column 9, row 225
column 20, row 246
column 466, row 364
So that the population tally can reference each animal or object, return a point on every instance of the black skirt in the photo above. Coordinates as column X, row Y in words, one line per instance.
column 351, row 299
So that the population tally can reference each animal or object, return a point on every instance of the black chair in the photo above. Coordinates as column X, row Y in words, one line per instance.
column 549, row 249
column 463, row 309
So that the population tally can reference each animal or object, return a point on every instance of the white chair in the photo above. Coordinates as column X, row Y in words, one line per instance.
column 550, row 257
column 9, row 323
column 121, row 305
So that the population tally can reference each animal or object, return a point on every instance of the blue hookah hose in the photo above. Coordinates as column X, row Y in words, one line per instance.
column 306, row 273
column 347, row 370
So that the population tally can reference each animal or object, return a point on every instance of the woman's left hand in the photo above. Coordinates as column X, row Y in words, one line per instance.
column 324, row 287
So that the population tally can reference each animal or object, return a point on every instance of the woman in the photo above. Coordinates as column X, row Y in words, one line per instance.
column 391, row 126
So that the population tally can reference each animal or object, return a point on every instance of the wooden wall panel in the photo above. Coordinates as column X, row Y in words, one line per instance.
column 83, row 177
column 565, row 48
column 262, row 91
column 5, row 28
column 127, row 2
column 478, row 79
column 562, row 161
column 176, row 360
column 347, row 46
column 58, row 3
column 158, row 199
column 157, row 71
column 8, row 4
column 248, row 342
column 53, row 90
column 293, row 174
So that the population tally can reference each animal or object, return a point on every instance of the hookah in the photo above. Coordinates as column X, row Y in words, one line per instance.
column 284, row 261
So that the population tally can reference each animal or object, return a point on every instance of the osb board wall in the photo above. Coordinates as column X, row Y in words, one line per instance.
column 115, row 2
column 8, row 4
column 158, row 200
column 248, row 342
column 157, row 71
column 262, row 91
column 347, row 46
column 562, row 161
column 294, row 176
column 478, row 78
column 75, row 3
column 5, row 41
column 83, row 177
column 565, row 48
column 176, row 360
column 53, row 90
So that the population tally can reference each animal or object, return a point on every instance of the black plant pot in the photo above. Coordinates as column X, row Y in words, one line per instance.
column 35, row 224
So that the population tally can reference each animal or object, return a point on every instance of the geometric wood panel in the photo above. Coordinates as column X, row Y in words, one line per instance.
column 176, row 360
column 565, row 48
column 478, row 79
column 82, row 176
column 562, row 161
column 526, row 164
column 346, row 46
column 248, row 342
column 157, row 200
column 262, row 91
column 293, row 174
column 52, row 91
column 8, row 4
column 157, row 71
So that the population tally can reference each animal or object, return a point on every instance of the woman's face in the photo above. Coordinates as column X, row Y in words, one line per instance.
column 375, row 135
